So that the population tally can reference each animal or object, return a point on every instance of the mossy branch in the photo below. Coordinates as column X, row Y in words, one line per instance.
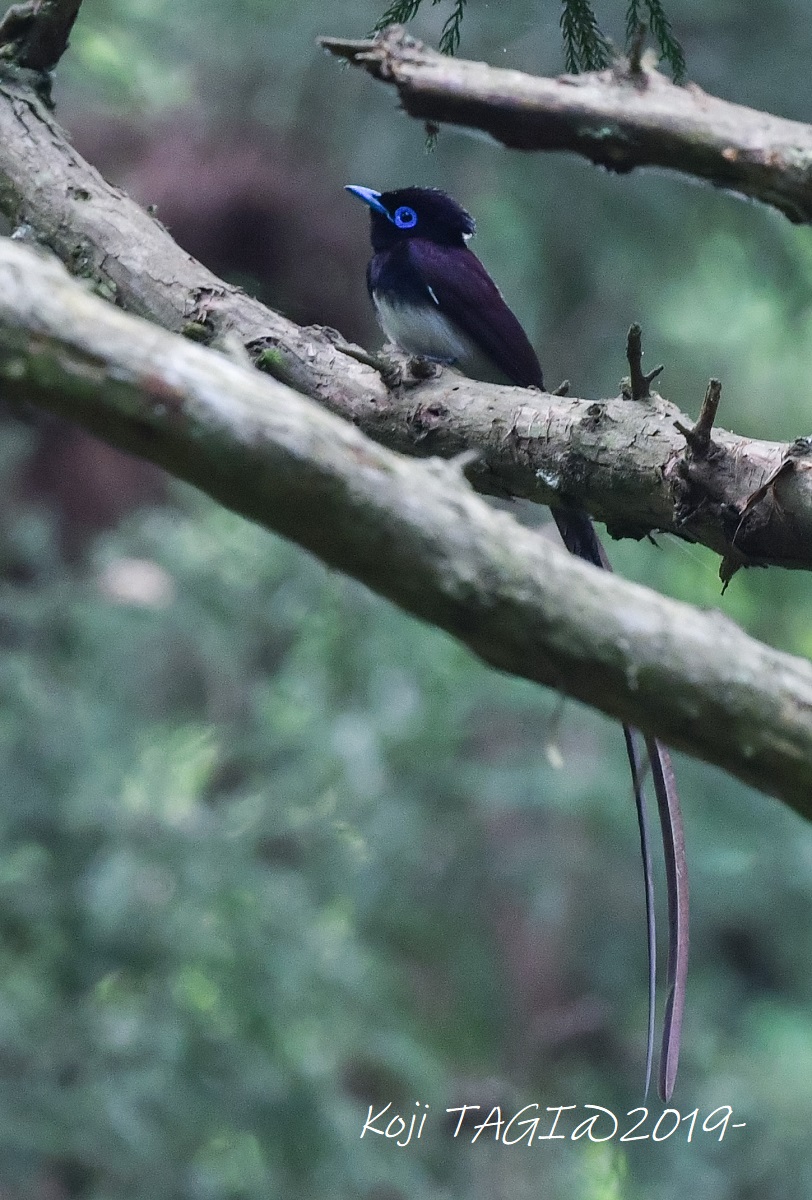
column 413, row 531
column 626, row 463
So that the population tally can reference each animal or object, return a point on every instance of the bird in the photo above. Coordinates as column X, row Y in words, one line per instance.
column 436, row 301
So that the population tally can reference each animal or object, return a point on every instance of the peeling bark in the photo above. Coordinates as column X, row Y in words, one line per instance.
column 413, row 531
column 620, row 118
column 623, row 461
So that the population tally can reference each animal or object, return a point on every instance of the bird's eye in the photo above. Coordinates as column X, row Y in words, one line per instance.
column 405, row 218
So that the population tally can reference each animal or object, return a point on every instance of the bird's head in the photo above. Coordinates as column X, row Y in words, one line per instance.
column 415, row 212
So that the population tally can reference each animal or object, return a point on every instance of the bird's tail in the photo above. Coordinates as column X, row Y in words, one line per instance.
column 579, row 536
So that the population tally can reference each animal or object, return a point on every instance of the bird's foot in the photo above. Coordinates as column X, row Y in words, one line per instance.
column 405, row 371
column 424, row 368
column 398, row 371
column 395, row 369
column 390, row 371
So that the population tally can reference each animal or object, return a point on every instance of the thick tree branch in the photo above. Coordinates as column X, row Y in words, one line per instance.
column 618, row 118
column 35, row 34
column 413, row 531
column 625, row 462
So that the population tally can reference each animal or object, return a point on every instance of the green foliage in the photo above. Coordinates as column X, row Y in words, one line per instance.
column 401, row 11
column 182, row 981
column 586, row 47
column 269, row 850
column 247, row 866
column 670, row 49
column 450, row 37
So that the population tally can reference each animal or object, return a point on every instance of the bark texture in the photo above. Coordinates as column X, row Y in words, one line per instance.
column 620, row 118
column 34, row 35
column 624, row 461
column 413, row 531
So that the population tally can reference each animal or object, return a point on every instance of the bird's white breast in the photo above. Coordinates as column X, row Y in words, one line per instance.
column 421, row 329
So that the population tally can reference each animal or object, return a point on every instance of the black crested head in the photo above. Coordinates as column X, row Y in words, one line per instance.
column 415, row 212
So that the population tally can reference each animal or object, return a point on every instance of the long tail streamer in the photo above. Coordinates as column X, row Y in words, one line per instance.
column 579, row 536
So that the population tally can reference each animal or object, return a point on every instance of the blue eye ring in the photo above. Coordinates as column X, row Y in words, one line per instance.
column 405, row 217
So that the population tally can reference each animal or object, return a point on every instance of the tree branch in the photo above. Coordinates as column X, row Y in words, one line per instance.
column 34, row 35
column 624, row 462
column 413, row 531
column 617, row 118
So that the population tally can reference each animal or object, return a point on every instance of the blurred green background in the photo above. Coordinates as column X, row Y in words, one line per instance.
column 271, row 851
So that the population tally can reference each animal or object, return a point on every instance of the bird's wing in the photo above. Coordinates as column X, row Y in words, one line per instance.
column 464, row 292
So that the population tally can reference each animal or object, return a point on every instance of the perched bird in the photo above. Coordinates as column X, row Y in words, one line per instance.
column 435, row 300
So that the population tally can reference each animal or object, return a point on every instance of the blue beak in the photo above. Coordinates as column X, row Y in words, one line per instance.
column 373, row 199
